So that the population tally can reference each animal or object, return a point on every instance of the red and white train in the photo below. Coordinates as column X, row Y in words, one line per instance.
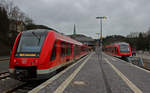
column 120, row 49
column 37, row 53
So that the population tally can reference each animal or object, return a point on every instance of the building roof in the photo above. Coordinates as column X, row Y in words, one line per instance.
column 81, row 38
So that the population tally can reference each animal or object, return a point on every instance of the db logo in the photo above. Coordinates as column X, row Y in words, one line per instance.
column 24, row 61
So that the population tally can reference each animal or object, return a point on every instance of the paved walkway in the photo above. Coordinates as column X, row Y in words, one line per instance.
column 96, row 75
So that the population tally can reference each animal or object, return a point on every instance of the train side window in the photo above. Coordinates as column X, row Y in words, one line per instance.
column 53, row 55
column 67, row 49
column 71, row 49
column 74, row 50
column 62, row 49
column 78, row 50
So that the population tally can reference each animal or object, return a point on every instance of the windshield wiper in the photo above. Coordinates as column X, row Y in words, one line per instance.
column 39, row 38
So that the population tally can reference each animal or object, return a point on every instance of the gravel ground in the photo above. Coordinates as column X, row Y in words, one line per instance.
column 8, row 83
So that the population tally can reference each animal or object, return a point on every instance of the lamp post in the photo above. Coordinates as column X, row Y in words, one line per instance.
column 100, row 18
column 100, row 42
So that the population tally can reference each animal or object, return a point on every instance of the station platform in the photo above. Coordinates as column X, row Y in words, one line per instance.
column 92, row 74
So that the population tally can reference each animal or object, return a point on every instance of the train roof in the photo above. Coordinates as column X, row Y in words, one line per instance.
column 65, row 38
column 41, row 31
column 117, row 43
column 122, row 43
column 57, row 35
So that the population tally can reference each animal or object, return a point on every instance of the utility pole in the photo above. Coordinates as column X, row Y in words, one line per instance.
column 98, row 41
column 100, row 18
column 74, row 30
column 101, row 38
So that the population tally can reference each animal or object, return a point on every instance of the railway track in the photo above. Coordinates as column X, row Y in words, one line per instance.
column 21, row 88
column 24, row 87
column 4, row 59
column 4, row 75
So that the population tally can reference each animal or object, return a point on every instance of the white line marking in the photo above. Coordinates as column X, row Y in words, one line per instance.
column 62, row 87
column 133, row 65
column 35, row 90
column 130, row 64
column 139, row 68
column 125, row 79
column 113, row 59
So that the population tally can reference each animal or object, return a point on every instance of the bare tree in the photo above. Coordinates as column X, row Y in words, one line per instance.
column 21, row 16
column 8, row 5
column 13, row 11
column 28, row 21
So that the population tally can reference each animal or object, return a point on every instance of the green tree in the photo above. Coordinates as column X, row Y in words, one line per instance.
column 141, row 42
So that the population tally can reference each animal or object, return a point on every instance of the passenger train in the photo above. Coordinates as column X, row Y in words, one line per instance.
column 120, row 49
column 37, row 53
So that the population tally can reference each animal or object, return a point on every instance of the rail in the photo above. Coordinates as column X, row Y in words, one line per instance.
column 2, row 59
column 4, row 75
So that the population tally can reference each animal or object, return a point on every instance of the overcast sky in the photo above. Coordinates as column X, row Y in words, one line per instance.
column 123, row 16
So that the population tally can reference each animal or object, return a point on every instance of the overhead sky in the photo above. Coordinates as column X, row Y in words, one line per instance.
column 123, row 16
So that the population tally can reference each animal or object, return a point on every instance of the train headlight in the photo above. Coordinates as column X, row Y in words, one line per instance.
column 15, row 60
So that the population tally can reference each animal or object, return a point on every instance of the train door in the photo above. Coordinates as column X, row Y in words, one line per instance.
column 78, row 48
column 58, row 53
column 71, row 54
column 116, row 50
column 67, row 51
column 54, row 53
column 74, row 51
column 62, row 51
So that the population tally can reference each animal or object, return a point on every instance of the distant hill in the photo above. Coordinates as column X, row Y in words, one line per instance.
column 84, row 39
column 113, row 38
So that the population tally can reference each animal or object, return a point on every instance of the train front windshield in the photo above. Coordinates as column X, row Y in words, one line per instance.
column 30, row 43
column 124, row 48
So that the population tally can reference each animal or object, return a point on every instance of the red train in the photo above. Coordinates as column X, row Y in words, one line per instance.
column 120, row 49
column 38, row 53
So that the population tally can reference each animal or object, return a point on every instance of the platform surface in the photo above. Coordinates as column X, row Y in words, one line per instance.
column 96, row 75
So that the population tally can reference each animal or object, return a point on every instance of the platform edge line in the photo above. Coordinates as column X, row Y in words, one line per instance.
column 38, row 88
column 62, row 87
column 129, row 63
column 125, row 79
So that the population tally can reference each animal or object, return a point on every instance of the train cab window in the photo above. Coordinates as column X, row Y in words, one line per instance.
column 53, row 55
column 30, row 43
column 124, row 48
